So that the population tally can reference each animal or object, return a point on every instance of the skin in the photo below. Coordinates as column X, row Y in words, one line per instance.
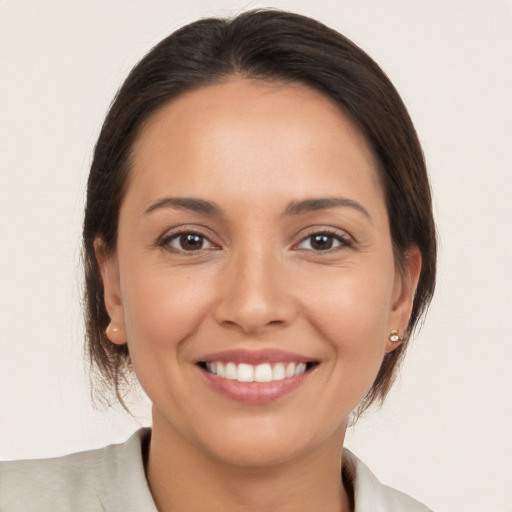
column 255, row 282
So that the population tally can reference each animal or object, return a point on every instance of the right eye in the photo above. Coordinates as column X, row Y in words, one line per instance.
column 187, row 241
column 324, row 241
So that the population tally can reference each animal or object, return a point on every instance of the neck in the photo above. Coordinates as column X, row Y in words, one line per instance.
column 183, row 477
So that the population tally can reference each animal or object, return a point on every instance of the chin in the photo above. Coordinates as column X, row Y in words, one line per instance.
column 264, row 443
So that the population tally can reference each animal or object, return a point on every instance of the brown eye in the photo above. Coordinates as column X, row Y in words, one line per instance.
column 191, row 242
column 322, row 242
column 188, row 242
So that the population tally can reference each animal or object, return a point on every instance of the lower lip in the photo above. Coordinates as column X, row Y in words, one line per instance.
column 255, row 393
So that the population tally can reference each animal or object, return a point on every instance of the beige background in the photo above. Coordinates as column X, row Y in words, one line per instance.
column 444, row 435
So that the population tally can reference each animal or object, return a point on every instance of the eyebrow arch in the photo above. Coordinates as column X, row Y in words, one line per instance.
column 186, row 203
column 323, row 203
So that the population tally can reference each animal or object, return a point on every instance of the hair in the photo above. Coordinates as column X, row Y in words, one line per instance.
column 268, row 45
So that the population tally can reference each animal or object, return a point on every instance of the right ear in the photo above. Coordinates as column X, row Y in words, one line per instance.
column 109, row 269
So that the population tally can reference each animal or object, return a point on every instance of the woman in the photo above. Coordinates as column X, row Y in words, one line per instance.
column 259, row 246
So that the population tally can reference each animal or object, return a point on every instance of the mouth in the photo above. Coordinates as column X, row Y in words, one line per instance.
column 259, row 373
column 255, row 377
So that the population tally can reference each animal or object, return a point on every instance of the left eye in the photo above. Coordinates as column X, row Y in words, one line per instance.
column 322, row 242
column 188, row 242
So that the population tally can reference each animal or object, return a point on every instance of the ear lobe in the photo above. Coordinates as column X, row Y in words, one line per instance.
column 109, row 269
column 404, row 290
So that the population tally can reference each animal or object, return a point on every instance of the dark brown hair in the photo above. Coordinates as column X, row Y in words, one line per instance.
column 274, row 46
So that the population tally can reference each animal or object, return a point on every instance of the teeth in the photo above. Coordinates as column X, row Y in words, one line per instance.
column 245, row 373
column 264, row 372
column 230, row 372
column 301, row 368
column 278, row 372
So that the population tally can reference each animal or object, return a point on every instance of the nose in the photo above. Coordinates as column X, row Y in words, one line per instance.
column 254, row 293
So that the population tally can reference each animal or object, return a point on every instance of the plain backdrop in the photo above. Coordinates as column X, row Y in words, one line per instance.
column 444, row 434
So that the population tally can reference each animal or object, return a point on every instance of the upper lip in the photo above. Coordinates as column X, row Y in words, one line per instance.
column 255, row 357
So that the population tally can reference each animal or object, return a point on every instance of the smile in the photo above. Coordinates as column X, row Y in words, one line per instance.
column 255, row 377
column 265, row 372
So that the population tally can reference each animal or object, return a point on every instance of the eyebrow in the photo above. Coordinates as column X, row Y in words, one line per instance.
column 324, row 203
column 294, row 208
column 186, row 203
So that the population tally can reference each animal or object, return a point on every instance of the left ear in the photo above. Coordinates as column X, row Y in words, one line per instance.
column 404, row 290
column 109, row 269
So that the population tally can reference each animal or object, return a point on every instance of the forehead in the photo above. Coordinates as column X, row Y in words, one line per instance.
column 247, row 138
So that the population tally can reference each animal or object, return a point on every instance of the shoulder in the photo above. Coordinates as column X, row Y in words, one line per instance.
column 371, row 495
column 89, row 481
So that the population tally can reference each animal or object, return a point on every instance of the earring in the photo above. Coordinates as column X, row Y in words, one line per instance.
column 394, row 337
column 111, row 329
column 116, row 335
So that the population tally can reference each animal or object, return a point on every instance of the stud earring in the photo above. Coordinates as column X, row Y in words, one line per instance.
column 394, row 337
column 115, row 334
column 111, row 329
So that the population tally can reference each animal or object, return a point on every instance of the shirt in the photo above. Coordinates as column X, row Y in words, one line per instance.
column 112, row 479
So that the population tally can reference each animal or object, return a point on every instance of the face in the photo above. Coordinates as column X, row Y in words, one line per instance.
column 254, row 278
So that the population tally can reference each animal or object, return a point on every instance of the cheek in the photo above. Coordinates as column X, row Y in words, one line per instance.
column 352, row 310
column 352, row 318
column 163, row 307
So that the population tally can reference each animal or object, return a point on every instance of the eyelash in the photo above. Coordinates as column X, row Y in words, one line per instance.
column 344, row 242
column 166, row 241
